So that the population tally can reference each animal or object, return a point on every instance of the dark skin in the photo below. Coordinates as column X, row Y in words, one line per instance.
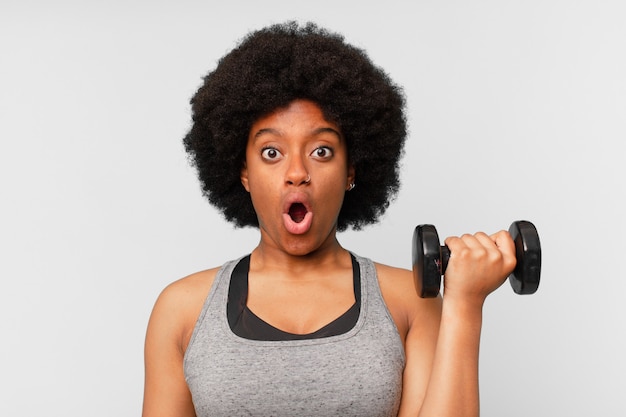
column 301, row 277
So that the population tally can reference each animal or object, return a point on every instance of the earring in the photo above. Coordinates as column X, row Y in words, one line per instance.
column 351, row 186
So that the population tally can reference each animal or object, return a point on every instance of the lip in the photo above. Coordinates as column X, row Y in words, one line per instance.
column 302, row 226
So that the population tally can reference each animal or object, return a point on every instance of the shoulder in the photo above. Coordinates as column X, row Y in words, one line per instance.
column 169, row 330
column 189, row 288
column 178, row 306
column 398, row 285
column 409, row 311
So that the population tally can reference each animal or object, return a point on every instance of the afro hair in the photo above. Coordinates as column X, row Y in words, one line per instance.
column 269, row 69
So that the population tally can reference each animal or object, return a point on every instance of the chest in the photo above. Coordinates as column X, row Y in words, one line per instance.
column 303, row 378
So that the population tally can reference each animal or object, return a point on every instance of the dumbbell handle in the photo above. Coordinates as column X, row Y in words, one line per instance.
column 445, row 258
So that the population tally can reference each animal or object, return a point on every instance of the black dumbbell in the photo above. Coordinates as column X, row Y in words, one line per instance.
column 430, row 259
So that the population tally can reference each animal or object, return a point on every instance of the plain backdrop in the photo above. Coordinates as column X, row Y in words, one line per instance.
column 516, row 109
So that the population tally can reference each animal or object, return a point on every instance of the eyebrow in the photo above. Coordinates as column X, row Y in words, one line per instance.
column 315, row 132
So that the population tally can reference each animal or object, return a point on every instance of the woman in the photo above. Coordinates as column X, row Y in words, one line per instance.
column 299, row 134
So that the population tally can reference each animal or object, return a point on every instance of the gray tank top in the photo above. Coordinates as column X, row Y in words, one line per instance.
column 358, row 373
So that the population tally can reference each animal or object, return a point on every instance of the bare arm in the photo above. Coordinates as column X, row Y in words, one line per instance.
column 165, row 391
column 453, row 385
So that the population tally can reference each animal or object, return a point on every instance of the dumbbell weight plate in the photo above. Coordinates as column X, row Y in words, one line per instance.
column 525, row 278
column 426, row 261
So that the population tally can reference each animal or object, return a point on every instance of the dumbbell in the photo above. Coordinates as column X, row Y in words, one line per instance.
column 430, row 259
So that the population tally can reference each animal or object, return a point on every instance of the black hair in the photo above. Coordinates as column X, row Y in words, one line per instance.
column 269, row 69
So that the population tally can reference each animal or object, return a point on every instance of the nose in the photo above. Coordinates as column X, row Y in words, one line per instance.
column 297, row 174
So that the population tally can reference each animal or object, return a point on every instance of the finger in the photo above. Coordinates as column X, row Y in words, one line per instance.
column 506, row 245
column 457, row 244
column 484, row 240
column 503, row 240
column 481, row 246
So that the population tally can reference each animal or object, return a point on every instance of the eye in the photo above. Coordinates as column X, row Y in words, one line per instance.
column 323, row 152
column 271, row 154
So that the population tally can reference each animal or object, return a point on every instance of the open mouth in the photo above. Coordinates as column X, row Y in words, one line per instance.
column 297, row 211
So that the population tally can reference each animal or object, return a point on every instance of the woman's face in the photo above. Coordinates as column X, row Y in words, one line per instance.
column 296, row 171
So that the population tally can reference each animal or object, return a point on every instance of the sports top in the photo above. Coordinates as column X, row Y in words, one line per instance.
column 243, row 322
column 356, row 373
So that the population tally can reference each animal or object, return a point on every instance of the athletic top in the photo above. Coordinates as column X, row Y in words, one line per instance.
column 243, row 322
column 356, row 373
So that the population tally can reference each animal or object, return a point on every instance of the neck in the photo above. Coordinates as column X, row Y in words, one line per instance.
column 265, row 257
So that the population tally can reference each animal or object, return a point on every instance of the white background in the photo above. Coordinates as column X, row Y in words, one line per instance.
column 517, row 110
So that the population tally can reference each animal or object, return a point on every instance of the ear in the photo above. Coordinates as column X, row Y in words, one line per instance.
column 244, row 176
column 351, row 175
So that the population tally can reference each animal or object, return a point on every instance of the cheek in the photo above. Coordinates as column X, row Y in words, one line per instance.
column 333, row 192
column 261, row 195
